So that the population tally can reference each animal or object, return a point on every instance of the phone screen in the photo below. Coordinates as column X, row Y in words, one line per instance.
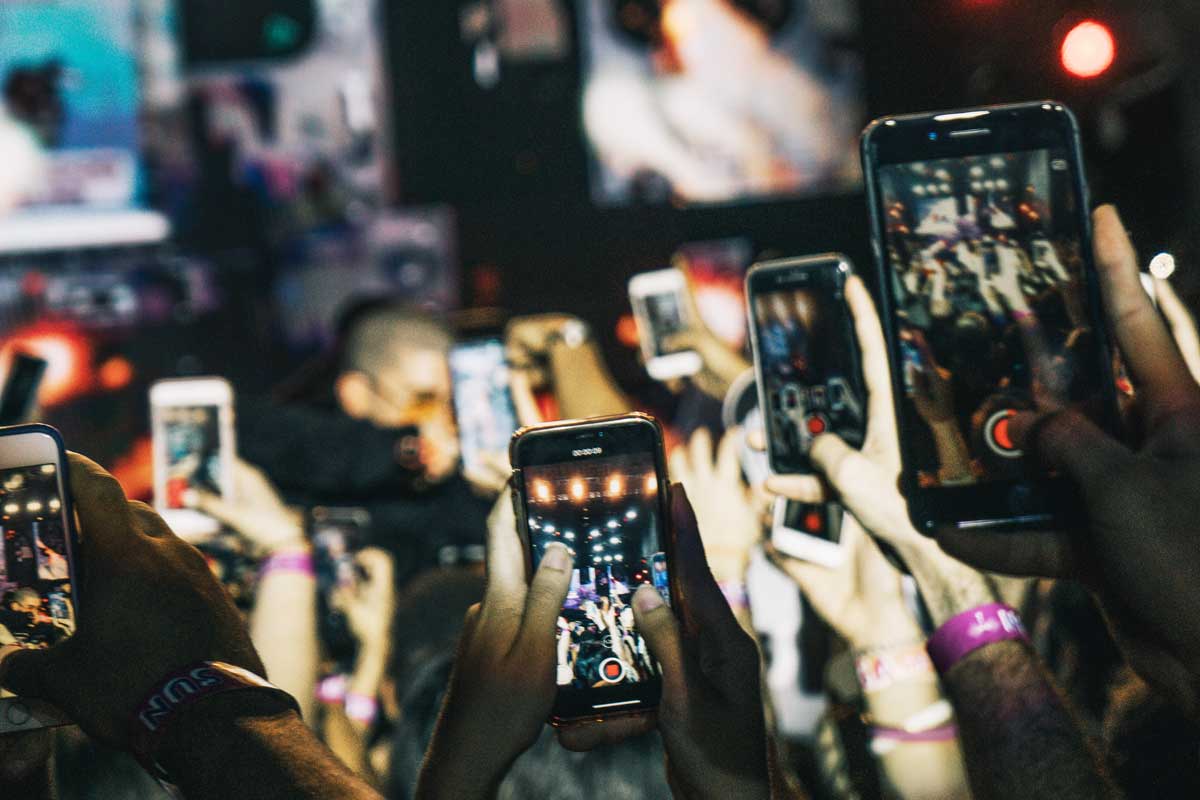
column 192, row 435
column 664, row 314
column 338, row 534
column 987, row 273
column 38, row 609
column 811, row 380
column 483, row 402
column 605, row 510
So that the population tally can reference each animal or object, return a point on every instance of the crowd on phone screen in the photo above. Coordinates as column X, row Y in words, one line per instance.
column 348, row 442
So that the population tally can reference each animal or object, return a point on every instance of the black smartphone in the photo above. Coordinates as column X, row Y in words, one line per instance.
column 337, row 535
column 600, row 488
column 805, row 356
column 37, row 558
column 989, row 302
column 483, row 403
column 21, row 388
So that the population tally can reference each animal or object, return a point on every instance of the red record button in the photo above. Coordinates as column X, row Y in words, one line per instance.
column 998, row 434
column 817, row 425
column 612, row 670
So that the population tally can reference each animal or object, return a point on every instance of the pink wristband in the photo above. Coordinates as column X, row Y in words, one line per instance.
column 332, row 690
column 361, row 708
column 301, row 563
column 972, row 630
column 945, row 733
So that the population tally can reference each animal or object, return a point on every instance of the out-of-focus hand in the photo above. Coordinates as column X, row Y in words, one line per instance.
column 1136, row 542
column 257, row 512
column 22, row 757
column 489, row 475
column 439, row 447
column 148, row 606
column 863, row 598
column 711, row 716
column 503, row 685
column 729, row 523
column 529, row 338
column 369, row 603
column 866, row 481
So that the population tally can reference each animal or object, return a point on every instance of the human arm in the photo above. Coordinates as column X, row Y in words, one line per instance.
column 241, row 743
column 283, row 624
column 573, row 365
column 1022, row 737
column 862, row 599
column 369, row 607
column 1133, row 540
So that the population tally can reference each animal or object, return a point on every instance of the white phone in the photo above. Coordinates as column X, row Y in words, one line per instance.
column 191, row 424
column 37, row 559
column 809, row 532
column 660, row 306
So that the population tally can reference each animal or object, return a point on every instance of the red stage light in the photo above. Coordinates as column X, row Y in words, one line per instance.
column 1089, row 49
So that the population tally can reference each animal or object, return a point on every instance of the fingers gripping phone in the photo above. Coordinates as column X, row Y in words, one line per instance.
column 994, row 200
column 600, row 488
column 661, row 308
column 805, row 356
column 37, row 558
column 483, row 403
column 193, row 444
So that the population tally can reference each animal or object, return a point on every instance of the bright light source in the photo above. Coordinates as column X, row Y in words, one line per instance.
column 541, row 490
column 54, row 504
column 11, row 508
column 618, row 557
column 651, row 483
column 1162, row 266
column 578, row 490
column 569, row 536
column 598, row 548
column 614, row 540
column 1089, row 49
column 615, row 485
column 613, row 524
column 33, row 506
column 48, row 469
column 631, row 514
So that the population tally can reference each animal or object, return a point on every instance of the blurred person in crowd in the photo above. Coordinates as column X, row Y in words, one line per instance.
column 375, row 429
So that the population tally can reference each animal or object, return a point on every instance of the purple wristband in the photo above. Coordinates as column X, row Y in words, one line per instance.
column 361, row 708
column 301, row 563
column 945, row 733
column 972, row 630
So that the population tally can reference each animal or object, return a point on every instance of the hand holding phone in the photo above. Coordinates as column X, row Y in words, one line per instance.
column 805, row 356
column 100, row 676
column 507, row 665
column 1002, row 187
column 663, row 310
column 38, row 551
column 193, row 443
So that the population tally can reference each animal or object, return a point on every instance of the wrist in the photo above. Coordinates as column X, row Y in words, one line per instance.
column 947, row 587
column 212, row 733
column 973, row 630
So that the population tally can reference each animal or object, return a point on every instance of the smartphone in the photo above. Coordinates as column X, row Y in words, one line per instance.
column 808, row 531
column 193, row 446
column 600, row 488
column 21, row 386
column 661, row 308
column 483, row 403
column 37, row 558
column 1003, row 187
column 805, row 357
column 337, row 535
